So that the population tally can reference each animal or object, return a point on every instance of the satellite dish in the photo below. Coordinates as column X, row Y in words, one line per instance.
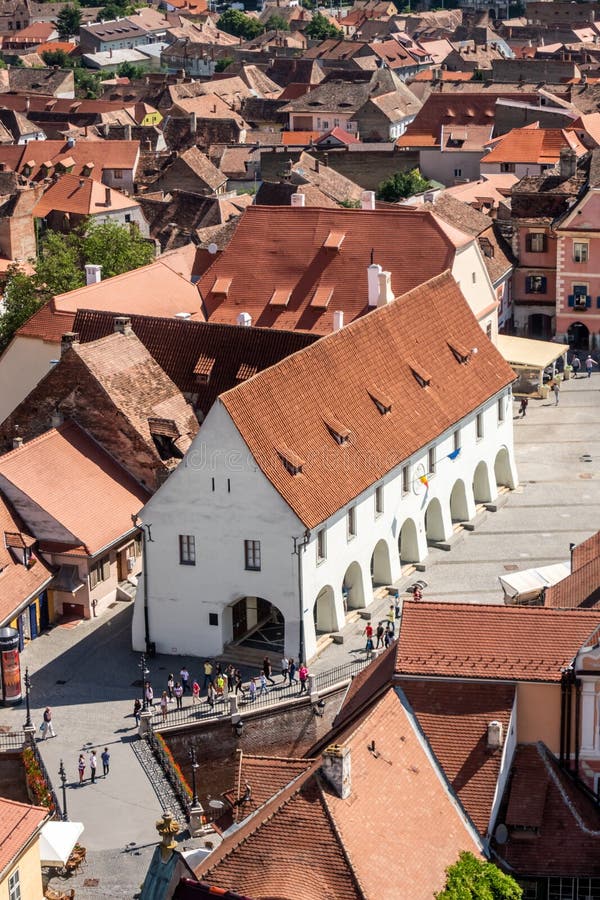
column 212, row 249
column 501, row 834
column 216, row 804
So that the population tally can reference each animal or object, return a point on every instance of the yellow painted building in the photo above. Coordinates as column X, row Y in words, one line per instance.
column 20, row 868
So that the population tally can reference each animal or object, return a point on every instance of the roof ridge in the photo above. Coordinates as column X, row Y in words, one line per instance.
column 337, row 834
column 494, row 607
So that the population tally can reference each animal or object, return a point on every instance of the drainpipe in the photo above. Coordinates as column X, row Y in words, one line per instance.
column 300, row 544
column 563, row 701
column 146, row 534
column 577, row 682
column 568, row 722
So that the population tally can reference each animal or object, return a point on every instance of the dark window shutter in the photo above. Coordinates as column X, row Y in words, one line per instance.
column 528, row 243
column 572, row 299
column 106, row 568
column 544, row 243
column 588, row 301
column 598, row 302
column 528, row 285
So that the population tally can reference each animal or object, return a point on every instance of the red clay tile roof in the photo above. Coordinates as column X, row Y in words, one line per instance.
column 533, row 145
column 82, row 197
column 339, row 372
column 299, row 138
column 67, row 474
column 585, row 552
column 47, row 324
column 19, row 823
column 103, row 155
column 454, row 716
column 17, row 582
column 266, row 776
column 285, row 244
column 491, row 642
column 568, row 841
column 366, row 686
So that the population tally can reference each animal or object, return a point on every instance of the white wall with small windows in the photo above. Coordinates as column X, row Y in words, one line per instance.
column 471, row 273
column 249, row 544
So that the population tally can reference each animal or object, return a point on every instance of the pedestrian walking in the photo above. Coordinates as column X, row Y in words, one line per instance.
column 390, row 614
column 589, row 363
column 263, row 685
column 252, row 689
column 303, row 676
column 210, row 694
column 195, row 693
column 292, row 671
column 178, row 691
column 208, row 671
column 170, row 685
column 93, row 764
column 368, row 631
column 267, row 669
column 137, row 706
column 417, row 593
column 391, row 623
column 81, row 767
column 230, row 673
column 397, row 608
column 379, row 634
column 164, row 705
column 220, row 686
column 576, row 366
column 388, row 638
column 523, row 407
column 285, row 669
column 149, row 694
column 184, row 676
column 556, row 392
column 239, row 687
column 47, row 728
column 368, row 648
column 105, row 762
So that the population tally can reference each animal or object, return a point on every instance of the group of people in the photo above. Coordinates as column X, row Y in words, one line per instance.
column 385, row 632
column 93, row 763
column 257, row 685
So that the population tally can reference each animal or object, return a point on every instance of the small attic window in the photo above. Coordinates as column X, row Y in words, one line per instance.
column 339, row 432
column 291, row 461
column 246, row 371
column 421, row 375
column 460, row 352
column 381, row 400
column 88, row 168
column 222, row 285
column 28, row 168
column 334, row 240
column 280, row 297
column 322, row 296
column 164, row 433
column 203, row 368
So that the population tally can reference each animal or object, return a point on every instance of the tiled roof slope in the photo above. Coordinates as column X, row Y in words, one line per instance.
column 18, row 824
column 103, row 155
column 266, row 776
column 339, row 372
column 454, row 716
column 533, row 145
column 490, row 642
column 74, row 481
column 568, row 840
column 580, row 588
column 365, row 686
column 17, row 582
column 585, row 552
column 177, row 346
column 285, row 244
column 82, row 197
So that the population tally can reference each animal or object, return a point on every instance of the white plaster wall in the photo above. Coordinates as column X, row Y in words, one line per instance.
column 181, row 597
column 22, row 366
column 508, row 752
column 521, row 169
column 479, row 293
column 441, row 165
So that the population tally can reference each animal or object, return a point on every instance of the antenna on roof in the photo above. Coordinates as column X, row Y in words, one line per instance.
column 372, row 255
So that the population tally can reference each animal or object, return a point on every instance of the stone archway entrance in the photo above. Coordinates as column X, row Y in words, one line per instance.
column 578, row 336
column 353, row 589
column 502, row 469
column 408, row 544
column 381, row 569
column 324, row 611
column 434, row 521
column 459, row 507
column 257, row 623
column 482, row 491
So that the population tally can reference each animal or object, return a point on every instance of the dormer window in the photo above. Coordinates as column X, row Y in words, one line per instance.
column 28, row 168
column 460, row 352
column 280, row 297
column 203, row 368
column 322, row 296
column 291, row 461
column 381, row 400
column 421, row 375
column 246, row 371
column 334, row 240
column 222, row 285
column 339, row 432
column 88, row 169
column 165, row 433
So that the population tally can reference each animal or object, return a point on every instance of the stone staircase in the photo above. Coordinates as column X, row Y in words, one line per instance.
column 246, row 656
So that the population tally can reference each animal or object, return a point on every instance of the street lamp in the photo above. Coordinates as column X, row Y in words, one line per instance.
column 192, row 755
column 27, row 690
column 63, row 784
column 145, row 672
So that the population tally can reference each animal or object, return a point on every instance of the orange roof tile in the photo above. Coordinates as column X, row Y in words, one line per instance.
column 533, row 145
column 491, row 642
column 299, row 138
column 18, row 583
column 337, row 373
column 81, row 196
column 285, row 244
column 103, row 154
column 19, row 822
column 67, row 474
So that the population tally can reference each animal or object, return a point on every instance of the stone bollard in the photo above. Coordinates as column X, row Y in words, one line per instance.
column 145, row 721
column 312, row 689
column 233, row 706
column 197, row 824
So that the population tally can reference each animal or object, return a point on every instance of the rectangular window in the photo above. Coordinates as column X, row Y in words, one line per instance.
column 117, row 174
column 479, row 426
column 100, row 571
column 501, row 410
column 378, row 499
column 213, row 618
column 252, row 555
column 431, row 461
column 457, row 439
column 14, row 886
column 507, row 167
column 488, row 330
column 187, row 550
column 535, row 242
column 580, row 252
column 405, row 479
column 321, row 545
column 457, row 173
column 351, row 522
column 535, row 284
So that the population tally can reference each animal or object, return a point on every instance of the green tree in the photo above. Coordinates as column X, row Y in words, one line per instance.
column 400, row 185
column 116, row 248
column 223, row 63
column 320, row 28
column 68, row 22
column 276, row 23
column 131, row 71
column 21, row 299
column 57, row 58
column 235, row 22
column 88, row 83
column 476, row 879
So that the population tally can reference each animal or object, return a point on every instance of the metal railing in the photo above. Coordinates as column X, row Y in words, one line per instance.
column 340, row 674
column 12, row 740
column 31, row 744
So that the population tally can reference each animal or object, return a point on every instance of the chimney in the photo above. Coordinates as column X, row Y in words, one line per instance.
column 128, row 132
column 122, row 325
column 107, row 196
column 338, row 319
column 298, row 199
column 317, row 166
column 386, row 295
column 17, row 443
column 93, row 274
column 57, row 419
column 193, row 123
column 367, row 200
column 335, row 768
column 70, row 142
column 494, row 735
column 68, row 340
column 244, row 319
column 568, row 163
column 373, row 272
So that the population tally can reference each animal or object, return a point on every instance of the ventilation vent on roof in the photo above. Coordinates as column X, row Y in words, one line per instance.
column 339, row 432
column 246, row 371
column 421, row 375
column 203, row 368
column 381, row 400
column 291, row 461
column 334, row 240
column 222, row 285
column 461, row 354
column 322, row 296
column 280, row 297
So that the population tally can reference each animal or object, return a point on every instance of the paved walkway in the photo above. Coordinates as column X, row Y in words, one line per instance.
column 87, row 673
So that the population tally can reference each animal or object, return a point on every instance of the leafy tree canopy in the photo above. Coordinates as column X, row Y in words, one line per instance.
column 476, row 879
column 68, row 21
column 276, row 23
column 320, row 28
column 57, row 58
column 401, row 185
column 223, row 63
column 235, row 22
column 88, row 83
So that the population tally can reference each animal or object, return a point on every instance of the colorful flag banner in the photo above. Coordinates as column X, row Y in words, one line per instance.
column 454, row 453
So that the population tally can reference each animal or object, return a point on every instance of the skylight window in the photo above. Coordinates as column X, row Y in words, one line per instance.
column 280, row 297
column 322, row 296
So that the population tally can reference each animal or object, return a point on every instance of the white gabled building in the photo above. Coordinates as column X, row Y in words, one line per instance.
column 324, row 474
